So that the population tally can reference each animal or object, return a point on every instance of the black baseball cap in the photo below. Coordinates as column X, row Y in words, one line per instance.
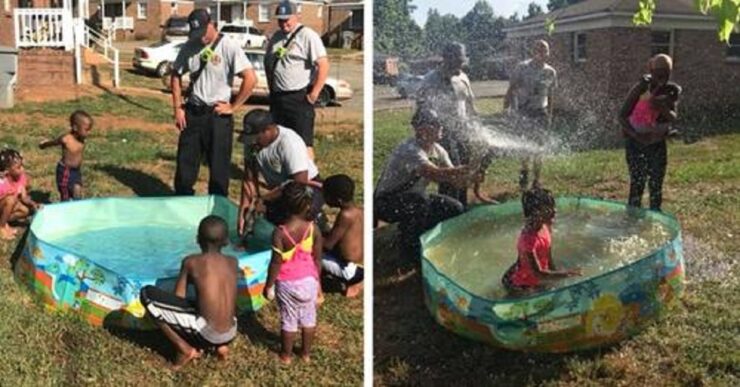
column 424, row 118
column 285, row 10
column 256, row 121
column 198, row 21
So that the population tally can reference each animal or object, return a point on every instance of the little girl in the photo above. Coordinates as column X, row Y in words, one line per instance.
column 534, row 267
column 651, row 109
column 294, row 271
column 15, row 204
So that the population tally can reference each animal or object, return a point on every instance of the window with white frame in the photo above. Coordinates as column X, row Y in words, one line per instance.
column 7, row 5
column 299, row 8
column 173, row 8
column 141, row 10
column 320, row 11
column 661, row 42
column 733, row 47
column 579, row 46
column 264, row 13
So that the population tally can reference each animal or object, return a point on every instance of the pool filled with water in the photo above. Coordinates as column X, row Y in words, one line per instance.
column 140, row 252
column 476, row 255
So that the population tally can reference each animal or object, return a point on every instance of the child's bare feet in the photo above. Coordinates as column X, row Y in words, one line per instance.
column 185, row 358
column 222, row 352
column 285, row 358
column 353, row 290
column 306, row 358
column 7, row 232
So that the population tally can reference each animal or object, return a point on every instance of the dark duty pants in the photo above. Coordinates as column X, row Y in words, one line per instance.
column 291, row 110
column 646, row 163
column 416, row 212
column 210, row 135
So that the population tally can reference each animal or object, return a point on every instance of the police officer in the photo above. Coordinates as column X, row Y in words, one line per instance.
column 296, row 67
column 447, row 91
column 205, row 120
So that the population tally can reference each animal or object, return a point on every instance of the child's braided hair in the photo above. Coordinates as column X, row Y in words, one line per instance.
column 298, row 197
column 8, row 157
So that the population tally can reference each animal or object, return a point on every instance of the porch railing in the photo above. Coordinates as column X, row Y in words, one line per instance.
column 118, row 23
column 43, row 27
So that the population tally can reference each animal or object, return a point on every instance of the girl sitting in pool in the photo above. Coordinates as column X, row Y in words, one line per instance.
column 534, row 269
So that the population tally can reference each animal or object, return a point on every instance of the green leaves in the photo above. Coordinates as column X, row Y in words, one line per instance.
column 726, row 12
column 549, row 25
column 644, row 14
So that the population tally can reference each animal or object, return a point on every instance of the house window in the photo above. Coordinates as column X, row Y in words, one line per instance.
column 299, row 8
column 661, row 42
column 141, row 10
column 173, row 8
column 264, row 13
column 356, row 19
column 320, row 11
column 579, row 46
column 733, row 47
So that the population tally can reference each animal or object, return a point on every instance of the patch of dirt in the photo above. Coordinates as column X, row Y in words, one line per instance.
column 105, row 122
column 44, row 94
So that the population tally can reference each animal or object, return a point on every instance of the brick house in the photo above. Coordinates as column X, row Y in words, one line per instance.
column 137, row 19
column 312, row 14
column 599, row 54
column 345, row 22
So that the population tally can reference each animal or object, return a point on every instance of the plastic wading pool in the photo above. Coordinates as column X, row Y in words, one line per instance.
column 595, row 311
column 106, row 292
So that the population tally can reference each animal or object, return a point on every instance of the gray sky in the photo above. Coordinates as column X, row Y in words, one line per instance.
column 460, row 7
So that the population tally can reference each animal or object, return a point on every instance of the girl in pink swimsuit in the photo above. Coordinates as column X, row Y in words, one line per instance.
column 534, row 267
column 294, row 271
column 15, row 203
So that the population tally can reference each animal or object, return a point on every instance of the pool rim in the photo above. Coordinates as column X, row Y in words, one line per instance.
column 427, row 235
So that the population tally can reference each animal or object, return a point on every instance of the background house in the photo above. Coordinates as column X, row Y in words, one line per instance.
column 344, row 23
column 137, row 19
column 312, row 14
column 599, row 54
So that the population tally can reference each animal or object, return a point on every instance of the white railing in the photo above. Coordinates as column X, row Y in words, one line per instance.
column 118, row 23
column 101, row 43
column 43, row 27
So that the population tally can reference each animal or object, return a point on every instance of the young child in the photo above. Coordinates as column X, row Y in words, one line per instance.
column 294, row 271
column 534, row 269
column 652, row 111
column 343, row 243
column 69, row 176
column 646, row 152
column 15, row 203
column 210, row 323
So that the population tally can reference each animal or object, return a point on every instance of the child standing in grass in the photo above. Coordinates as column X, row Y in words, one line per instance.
column 15, row 203
column 343, row 244
column 69, row 175
column 534, row 269
column 294, row 270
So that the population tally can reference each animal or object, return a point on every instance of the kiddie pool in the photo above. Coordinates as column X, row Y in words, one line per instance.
column 105, row 290
column 593, row 312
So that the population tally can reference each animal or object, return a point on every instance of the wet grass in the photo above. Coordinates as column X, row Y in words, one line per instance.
column 695, row 344
column 52, row 348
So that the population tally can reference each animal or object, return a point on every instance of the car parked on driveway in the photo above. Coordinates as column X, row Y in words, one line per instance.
column 157, row 58
column 175, row 29
column 408, row 85
column 246, row 36
column 334, row 89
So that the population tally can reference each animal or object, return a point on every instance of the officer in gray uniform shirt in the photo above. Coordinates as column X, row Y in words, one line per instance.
column 205, row 120
column 296, row 66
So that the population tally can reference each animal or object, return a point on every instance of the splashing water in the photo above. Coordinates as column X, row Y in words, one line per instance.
column 477, row 256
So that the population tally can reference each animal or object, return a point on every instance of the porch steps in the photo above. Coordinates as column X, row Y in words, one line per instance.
column 45, row 67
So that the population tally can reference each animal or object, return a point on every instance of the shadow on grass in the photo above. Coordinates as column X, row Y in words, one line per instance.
column 19, row 249
column 152, row 339
column 98, row 84
column 412, row 349
column 251, row 327
column 141, row 183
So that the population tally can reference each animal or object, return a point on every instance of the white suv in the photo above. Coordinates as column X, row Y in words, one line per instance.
column 246, row 36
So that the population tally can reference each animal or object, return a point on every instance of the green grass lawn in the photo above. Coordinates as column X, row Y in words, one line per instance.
column 51, row 348
column 697, row 343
